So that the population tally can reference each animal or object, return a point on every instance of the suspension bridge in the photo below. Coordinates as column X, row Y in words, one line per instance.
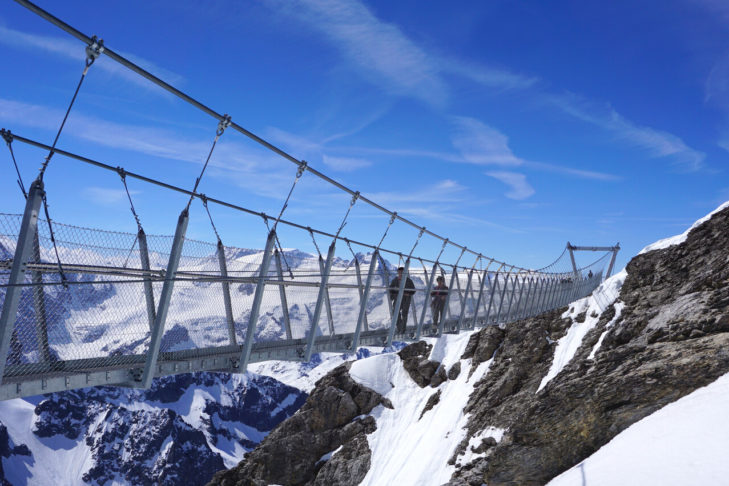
column 85, row 307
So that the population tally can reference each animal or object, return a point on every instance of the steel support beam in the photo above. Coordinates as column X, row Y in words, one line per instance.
column 612, row 261
column 572, row 258
column 465, row 301
column 148, row 291
column 362, row 298
column 164, row 300
column 327, row 302
column 362, row 317
column 226, row 294
column 282, row 293
column 481, row 287
column 447, row 304
column 502, row 291
column 257, row 299
column 319, row 302
column 23, row 249
column 509, row 310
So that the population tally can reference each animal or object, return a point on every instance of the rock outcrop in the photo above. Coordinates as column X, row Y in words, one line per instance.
column 323, row 443
column 671, row 337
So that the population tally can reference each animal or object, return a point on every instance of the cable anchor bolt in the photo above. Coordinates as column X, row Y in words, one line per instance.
column 223, row 124
column 302, row 168
column 94, row 50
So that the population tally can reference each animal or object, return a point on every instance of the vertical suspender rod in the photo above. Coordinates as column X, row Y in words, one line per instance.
column 164, row 300
column 23, row 249
column 148, row 291
column 226, row 294
column 362, row 318
column 319, row 303
column 257, row 299
column 282, row 293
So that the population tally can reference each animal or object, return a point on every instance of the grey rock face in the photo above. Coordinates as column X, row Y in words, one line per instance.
column 332, row 417
column 671, row 338
column 423, row 371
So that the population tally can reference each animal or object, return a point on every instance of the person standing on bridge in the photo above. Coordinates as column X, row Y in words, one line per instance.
column 408, row 292
column 438, row 298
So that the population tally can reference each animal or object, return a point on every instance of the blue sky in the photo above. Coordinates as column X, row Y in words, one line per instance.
column 508, row 127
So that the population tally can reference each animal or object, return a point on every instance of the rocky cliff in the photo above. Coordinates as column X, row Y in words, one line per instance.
column 536, row 409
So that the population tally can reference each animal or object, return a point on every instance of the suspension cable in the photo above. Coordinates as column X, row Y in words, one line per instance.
column 123, row 176
column 64, row 281
column 187, row 98
column 344, row 221
column 299, row 173
column 94, row 50
column 422, row 230
column 8, row 137
column 311, row 232
column 392, row 220
column 222, row 125
column 86, row 160
column 204, row 200
column 279, row 248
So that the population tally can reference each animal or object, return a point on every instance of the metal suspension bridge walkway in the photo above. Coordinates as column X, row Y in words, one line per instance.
column 84, row 307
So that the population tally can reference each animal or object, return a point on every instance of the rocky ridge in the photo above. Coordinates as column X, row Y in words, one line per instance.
column 665, row 335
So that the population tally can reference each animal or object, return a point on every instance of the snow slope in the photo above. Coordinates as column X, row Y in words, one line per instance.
column 408, row 448
column 684, row 443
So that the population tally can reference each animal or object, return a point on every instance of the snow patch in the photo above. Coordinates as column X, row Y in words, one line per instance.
column 593, row 306
column 678, row 239
column 469, row 455
column 408, row 449
column 682, row 443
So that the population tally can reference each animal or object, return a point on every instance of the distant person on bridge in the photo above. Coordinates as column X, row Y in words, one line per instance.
column 438, row 299
column 408, row 292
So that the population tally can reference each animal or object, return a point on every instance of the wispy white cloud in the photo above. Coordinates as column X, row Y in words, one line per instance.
column 656, row 143
column 106, row 196
column 583, row 174
column 487, row 76
column 345, row 164
column 75, row 51
column 520, row 188
column 444, row 191
column 482, row 144
column 376, row 48
column 260, row 172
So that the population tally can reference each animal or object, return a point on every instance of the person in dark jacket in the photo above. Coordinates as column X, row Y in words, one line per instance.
column 438, row 297
column 407, row 294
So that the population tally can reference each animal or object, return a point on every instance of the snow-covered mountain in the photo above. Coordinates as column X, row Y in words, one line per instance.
column 627, row 386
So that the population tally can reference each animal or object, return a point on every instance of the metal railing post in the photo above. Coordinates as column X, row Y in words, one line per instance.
column 386, row 283
column 282, row 292
column 257, row 299
column 398, row 303
column 511, row 297
column 502, row 291
column 39, row 302
column 23, row 249
column 465, row 301
column 226, row 294
column 362, row 298
column 319, row 303
column 362, row 318
column 616, row 248
column 482, row 285
column 148, row 292
column 533, row 304
column 493, row 292
column 327, row 302
column 164, row 300
column 428, row 289
column 447, row 304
